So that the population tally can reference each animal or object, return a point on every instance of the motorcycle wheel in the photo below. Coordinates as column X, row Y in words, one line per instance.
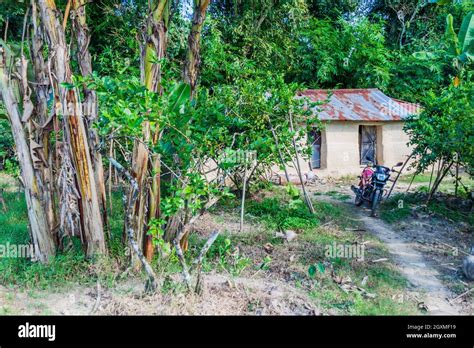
column 375, row 203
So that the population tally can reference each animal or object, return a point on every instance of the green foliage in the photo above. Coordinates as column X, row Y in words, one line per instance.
column 7, row 159
column 12, row 11
column 442, row 209
column 178, row 97
column 443, row 131
column 466, row 34
column 124, row 105
column 392, row 211
column 461, row 45
column 231, row 124
column 114, row 27
column 434, row 61
column 267, row 260
column 253, row 38
column 228, row 257
column 69, row 266
column 280, row 216
column 332, row 9
column 334, row 54
column 287, row 40
column 317, row 267
column 415, row 76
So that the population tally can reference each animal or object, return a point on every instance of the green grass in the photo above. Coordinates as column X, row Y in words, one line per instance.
column 420, row 178
column 400, row 206
column 384, row 281
column 338, row 195
column 283, row 212
column 68, row 267
column 397, row 208
column 446, row 186
column 330, row 224
column 281, row 215
column 443, row 210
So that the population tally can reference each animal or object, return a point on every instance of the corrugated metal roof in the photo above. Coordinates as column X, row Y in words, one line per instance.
column 359, row 105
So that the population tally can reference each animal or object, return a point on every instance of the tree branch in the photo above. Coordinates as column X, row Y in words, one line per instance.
column 151, row 285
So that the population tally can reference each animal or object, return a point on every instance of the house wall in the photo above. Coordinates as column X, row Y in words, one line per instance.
column 340, row 149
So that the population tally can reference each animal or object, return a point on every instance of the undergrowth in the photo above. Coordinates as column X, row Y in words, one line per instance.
column 70, row 266
column 400, row 207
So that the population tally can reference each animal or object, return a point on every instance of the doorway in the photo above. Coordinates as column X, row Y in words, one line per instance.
column 315, row 139
column 368, row 144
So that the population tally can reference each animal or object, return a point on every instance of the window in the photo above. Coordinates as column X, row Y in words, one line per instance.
column 367, row 144
column 315, row 139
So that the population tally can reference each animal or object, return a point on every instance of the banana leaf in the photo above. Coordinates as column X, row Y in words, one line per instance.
column 466, row 33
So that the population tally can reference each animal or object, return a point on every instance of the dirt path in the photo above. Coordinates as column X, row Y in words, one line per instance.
column 422, row 276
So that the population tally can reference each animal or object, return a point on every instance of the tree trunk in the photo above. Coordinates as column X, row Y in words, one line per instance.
column 2, row 201
column 155, row 44
column 74, row 130
column 441, row 174
column 90, row 106
column 280, row 155
column 43, row 132
column 140, row 170
column 298, row 168
column 193, row 57
column 190, row 76
column 147, row 205
column 39, row 229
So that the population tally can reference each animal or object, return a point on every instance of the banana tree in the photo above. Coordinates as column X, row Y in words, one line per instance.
column 147, row 207
column 193, row 56
column 76, row 142
column 90, row 107
column 153, row 51
column 461, row 45
column 43, row 241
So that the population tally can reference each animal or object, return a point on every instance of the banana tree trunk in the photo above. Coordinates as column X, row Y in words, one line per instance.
column 44, row 122
column 193, row 57
column 190, row 77
column 155, row 44
column 90, row 106
column 74, row 130
column 148, row 203
column 140, row 170
column 39, row 229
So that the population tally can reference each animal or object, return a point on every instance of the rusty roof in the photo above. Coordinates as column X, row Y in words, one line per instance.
column 359, row 105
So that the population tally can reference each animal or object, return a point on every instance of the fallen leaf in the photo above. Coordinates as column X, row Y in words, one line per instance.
column 268, row 248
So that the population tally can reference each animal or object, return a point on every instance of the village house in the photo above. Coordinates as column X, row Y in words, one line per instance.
column 360, row 125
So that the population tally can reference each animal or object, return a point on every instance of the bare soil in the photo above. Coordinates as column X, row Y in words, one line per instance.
column 222, row 295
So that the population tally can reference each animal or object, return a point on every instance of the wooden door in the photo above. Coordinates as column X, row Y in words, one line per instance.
column 367, row 144
column 315, row 138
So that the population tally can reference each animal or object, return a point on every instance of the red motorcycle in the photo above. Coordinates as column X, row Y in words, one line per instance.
column 371, row 185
